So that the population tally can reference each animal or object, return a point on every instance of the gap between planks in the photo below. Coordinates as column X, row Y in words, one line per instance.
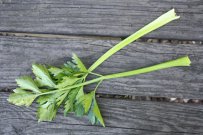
column 64, row 36
column 141, row 98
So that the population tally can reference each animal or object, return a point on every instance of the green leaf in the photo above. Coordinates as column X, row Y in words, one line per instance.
column 69, row 104
column 22, row 97
column 56, row 72
column 74, row 68
column 89, row 103
column 68, row 107
column 80, row 93
column 19, row 90
column 46, row 112
column 79, row 111
column 70, row 68
column 26, row 82
column 42, row 75
column 86, row 100
column 71, row 98
column 49, row 105
column 60, row 97
column 79, row 63
column 97, row 113
column 67, row 81
column 43, row 99
column 91, row 117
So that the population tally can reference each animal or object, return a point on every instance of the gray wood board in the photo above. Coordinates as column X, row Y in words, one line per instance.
column 104, row 18
column 120, row 116
column 18, row 53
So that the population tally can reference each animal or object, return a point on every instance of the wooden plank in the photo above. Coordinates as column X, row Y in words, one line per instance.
column 18, row 53
column 105, row 17
column 121, row 117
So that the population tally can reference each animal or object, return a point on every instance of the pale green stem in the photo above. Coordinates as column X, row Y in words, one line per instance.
column 95, row 74
column 74, row 86
column 97, row 85
column 160, row 21
column 183, row 61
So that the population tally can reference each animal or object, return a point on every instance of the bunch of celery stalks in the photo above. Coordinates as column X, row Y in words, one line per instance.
column 160, row 21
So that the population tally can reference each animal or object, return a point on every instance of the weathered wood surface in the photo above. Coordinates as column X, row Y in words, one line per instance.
column 121, row 117
column 18, row 53
column 103, row 18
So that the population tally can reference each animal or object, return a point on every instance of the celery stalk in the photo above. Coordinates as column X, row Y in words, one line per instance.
column 160, row 21
column 183, row 61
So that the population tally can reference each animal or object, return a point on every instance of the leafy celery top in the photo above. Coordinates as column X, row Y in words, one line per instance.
column 54, row 87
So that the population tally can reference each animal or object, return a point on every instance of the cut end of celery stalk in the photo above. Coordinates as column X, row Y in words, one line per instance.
column 167, row 17
column 183, row 61
column 160, row 21
column 172, row 14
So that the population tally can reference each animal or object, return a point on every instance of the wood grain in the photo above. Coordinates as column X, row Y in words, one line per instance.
column 18, row 53
column 121, row 117
column 103, row 18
